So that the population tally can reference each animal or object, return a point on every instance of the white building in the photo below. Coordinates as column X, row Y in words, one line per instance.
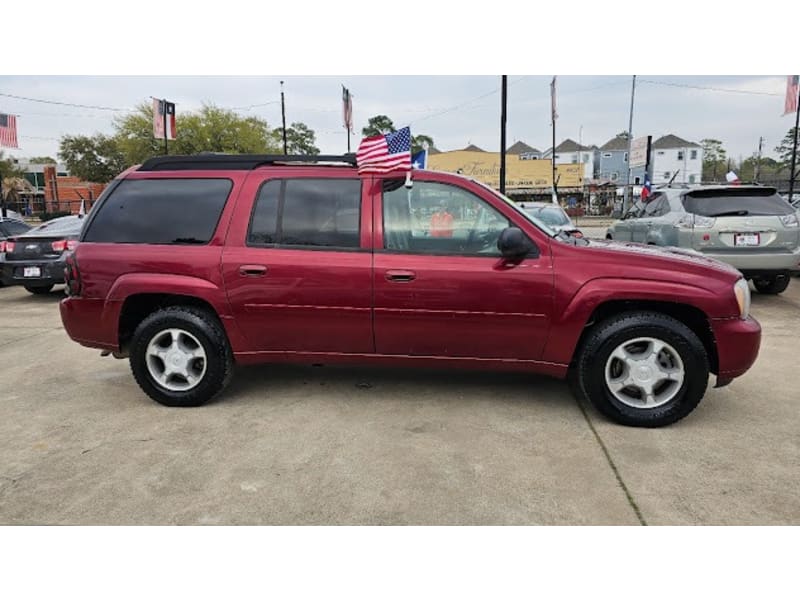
column 570, row 152
column 670, row 155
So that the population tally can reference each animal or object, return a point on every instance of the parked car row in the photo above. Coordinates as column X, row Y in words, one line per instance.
column 750, row 227
column 35, row 257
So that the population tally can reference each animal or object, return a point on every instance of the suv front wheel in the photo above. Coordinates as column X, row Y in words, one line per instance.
column 180, row 356
column 642, row 369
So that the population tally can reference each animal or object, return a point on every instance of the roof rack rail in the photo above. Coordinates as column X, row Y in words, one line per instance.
column 209, row 161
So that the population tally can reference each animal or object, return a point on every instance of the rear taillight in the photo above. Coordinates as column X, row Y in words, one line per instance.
column 577, row 234
column 72, row 276
column 2, row 245
column 9, row 246
column 59, row 245
column 72, row 244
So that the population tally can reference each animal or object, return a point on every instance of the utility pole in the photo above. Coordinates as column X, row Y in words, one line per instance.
column 757, row 174
column 283, row 116
column 628, row 162
column 503, row 102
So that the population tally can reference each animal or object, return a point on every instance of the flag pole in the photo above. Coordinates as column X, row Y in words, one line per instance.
column 626, row 191
column 792, row 174
column 503, row 103
column 164, row 113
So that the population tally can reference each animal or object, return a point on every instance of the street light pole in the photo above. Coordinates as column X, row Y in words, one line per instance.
column 283, row 116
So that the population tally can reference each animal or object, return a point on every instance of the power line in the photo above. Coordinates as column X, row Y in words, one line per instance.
column 451, row 109
column 66, row 103
column 713, row 89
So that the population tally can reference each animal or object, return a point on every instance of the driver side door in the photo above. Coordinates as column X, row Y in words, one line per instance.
column 454, row 296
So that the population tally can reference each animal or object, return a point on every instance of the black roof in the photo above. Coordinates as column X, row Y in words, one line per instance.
column 244, row 162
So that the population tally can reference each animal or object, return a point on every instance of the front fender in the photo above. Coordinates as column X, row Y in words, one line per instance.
column 578, row 309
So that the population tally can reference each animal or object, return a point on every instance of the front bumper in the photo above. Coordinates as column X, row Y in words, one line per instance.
column 51, row 272
column 738, row 342
column 758, row 261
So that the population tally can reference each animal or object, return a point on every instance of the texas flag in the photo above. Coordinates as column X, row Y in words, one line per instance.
column 420, row 159
column 647, row 188
column 164, row 114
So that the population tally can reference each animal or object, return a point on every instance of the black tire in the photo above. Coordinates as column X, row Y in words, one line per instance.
column 609, row 237
column 39, row 289
column 605, row 337
column 209, row 332
column 772, row 285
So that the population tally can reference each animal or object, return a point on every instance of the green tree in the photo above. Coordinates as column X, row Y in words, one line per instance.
column 714, row 155
column 381, row 125
column 768, row 168
column 42, row 160
column 9, row 167
column 622, row 135
column 378, row 125
column 96, row 158
column 211, row 129
column 300, row 139
column 784, row 150
column 418, row 142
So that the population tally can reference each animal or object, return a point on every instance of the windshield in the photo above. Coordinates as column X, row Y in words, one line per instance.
column 536, row 221
column 730, row 202
column 552, row 215
column 61, row 226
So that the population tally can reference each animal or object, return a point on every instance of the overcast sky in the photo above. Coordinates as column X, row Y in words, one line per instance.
column 454, row 110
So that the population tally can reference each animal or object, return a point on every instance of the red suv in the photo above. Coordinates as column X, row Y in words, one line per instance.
column 189, row 264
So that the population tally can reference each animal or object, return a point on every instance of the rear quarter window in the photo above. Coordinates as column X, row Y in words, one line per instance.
column 160, row 211
column 744, row 202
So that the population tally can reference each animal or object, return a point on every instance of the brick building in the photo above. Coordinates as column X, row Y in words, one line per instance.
column 65, row 192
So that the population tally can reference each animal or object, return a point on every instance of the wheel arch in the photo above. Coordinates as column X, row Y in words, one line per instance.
column 691, row 316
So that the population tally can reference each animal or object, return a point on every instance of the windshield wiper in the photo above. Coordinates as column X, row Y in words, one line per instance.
column 730, row 213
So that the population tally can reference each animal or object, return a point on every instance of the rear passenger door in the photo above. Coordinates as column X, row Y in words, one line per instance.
column 297, row 263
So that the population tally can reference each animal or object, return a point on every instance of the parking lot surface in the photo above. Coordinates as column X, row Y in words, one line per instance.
column 81, row 444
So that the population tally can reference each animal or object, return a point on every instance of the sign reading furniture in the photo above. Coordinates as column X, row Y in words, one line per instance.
column 520, row 174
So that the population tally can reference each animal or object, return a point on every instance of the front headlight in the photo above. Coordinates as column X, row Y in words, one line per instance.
column 741, row 290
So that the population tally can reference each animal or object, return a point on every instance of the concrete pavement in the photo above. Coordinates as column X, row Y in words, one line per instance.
column 81, row 444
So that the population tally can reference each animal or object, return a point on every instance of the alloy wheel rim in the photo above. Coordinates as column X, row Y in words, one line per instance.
column 176, row 360
column 644, row 372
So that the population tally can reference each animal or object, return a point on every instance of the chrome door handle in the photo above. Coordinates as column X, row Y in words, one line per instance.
column 400, row 275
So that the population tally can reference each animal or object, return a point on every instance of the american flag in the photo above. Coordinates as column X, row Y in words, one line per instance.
column 347, row 109
column 790, row 104
column 384, row 153
column 8, row 131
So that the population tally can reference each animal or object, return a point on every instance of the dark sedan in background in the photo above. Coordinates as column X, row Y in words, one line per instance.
column 35, row 259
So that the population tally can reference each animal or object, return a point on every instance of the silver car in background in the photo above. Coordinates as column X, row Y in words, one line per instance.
column 552, row 215
column 747, row 226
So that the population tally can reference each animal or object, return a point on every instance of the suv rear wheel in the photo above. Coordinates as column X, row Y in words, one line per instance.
column 180, row 356
column 772, row 285
column 642, row 369
column 39, row 289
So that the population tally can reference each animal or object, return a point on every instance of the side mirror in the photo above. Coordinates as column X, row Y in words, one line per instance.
column 512, row 243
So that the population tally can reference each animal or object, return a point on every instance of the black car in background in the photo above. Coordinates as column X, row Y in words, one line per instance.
column 35, row 259
column 10, row 227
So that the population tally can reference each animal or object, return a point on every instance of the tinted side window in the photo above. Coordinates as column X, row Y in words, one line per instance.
column 308, row 212
column 161, row 211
